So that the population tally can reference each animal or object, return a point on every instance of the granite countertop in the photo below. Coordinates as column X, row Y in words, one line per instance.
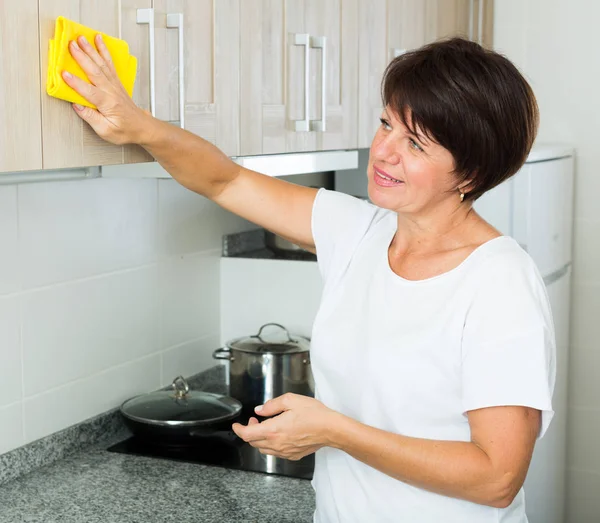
column 90, row 484
column 94, row 485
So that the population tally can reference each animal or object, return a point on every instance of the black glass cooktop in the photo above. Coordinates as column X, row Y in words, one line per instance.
column 229, row 452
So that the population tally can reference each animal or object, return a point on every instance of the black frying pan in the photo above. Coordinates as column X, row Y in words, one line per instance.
column 181, row 416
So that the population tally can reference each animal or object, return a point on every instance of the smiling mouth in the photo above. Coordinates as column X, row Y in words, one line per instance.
column 386, row 176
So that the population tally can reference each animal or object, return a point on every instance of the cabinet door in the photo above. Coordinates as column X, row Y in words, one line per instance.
column 275, row 86
column 20, row 138
column 448, row 18
column 272, row 84
column 137, row 36
column 372, row 60
column 68, row 141
column 210, row 67
column 472, row 19
column 483, row 22
column 407, row 26
column 388, row 28
column 335, row 24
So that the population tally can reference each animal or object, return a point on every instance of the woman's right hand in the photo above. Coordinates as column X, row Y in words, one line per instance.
column 117, row 120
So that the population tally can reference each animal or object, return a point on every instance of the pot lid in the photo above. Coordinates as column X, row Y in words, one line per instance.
column 181, row 407
column 272, row 343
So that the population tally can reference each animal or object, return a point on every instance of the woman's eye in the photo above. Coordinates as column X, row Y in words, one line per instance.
column 415, row 145
column 385, row 124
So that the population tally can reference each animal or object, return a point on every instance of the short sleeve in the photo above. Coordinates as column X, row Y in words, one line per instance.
column 339, row 222
column 508, row 346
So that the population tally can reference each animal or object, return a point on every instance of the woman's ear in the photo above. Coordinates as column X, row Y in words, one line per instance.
column 466, row 186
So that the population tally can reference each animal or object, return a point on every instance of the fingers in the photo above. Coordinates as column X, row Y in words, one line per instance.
column 105, row 54
column 275, row 406
column 96, row 67
column 92, row 117
column 88, row 91
column 100, row 62
column 249, row 433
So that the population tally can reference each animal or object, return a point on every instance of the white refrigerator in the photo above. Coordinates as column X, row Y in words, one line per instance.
column 536, row 208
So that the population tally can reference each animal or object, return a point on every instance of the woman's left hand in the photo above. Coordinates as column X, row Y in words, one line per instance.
column 300, row 427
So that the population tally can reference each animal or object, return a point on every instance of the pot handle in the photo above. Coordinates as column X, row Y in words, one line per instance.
column 222, row 354
column 274, row 325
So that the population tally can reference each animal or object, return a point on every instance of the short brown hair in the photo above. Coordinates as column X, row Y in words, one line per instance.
column 470, row 100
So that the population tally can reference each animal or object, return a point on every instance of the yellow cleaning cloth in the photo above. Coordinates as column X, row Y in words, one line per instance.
column 61, row 60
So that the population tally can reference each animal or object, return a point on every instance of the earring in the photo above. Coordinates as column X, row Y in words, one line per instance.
column 462, row 195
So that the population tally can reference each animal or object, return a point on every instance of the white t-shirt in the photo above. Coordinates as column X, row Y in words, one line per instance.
column 412, row 357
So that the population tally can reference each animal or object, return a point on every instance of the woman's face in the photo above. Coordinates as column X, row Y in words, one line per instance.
column 408, row 173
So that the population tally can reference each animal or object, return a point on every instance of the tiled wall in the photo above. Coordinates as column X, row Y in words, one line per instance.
column 554, row 44
column 255, row 292
column 108, row 288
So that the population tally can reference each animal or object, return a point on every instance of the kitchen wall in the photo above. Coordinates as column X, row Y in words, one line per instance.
column 554, row 43
column 108, row 288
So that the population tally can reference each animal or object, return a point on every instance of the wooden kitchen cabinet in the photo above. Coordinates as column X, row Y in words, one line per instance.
column 211, row 69
column 483, row 17
column 388, row 28
column 469, row 18
column 20, row 136
column 275, row 87
column 245, row 84
column 391, row 27
column 67, row 141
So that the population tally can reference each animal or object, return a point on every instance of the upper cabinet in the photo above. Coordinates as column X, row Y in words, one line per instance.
column 469, row 18
column 67, row 141
column 389, row 28
column 197, row 64
column 483, row 22
column 298, row 75
column 20, row 124
column 251, row 76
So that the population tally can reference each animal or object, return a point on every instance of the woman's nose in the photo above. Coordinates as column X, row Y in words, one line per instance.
column 386, row 149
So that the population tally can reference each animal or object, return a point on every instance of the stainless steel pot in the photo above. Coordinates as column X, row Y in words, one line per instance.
column 262, row 368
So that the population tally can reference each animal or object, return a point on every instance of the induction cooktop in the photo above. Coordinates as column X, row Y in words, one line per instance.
column 229, row 452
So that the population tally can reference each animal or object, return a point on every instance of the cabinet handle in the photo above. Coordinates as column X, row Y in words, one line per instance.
column 304, row 39
column 320, row 42
column 146, row 16
column 175, row 21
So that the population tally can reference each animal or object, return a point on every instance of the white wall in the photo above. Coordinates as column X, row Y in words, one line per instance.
column 108, row 288
column 255, row 292
column 555, row 43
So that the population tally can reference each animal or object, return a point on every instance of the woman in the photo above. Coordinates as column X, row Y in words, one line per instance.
column 433, row 349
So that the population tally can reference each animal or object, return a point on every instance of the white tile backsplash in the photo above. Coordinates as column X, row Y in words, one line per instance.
column 195, row 354
column 255, row 292
column 84, row 327
column 10, row 351
column 106, row 290
column 11, row 427
column 189, row 297
column 77, row 229
column 85, row 398
column 10, row 279
column 190, row 222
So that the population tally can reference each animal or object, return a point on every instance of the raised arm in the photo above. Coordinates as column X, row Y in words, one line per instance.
column 279, row 206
